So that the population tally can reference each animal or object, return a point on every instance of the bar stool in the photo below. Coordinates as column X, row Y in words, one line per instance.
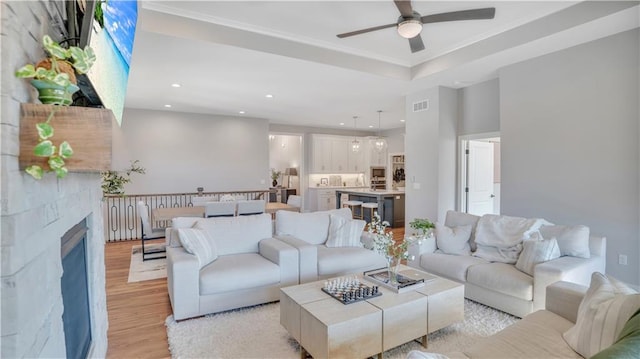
column 353, row 205
column 372, row 207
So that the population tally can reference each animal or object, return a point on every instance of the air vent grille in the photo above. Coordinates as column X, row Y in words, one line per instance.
column 421, row 106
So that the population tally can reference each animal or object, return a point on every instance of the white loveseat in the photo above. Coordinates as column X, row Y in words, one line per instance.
column 310, row 234
column 502, row 285
column 250, row 268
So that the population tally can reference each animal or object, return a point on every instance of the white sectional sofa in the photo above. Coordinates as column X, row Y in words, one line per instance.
column 490, row 271
column 313, row 234
column 601, row 315
column 250, row 267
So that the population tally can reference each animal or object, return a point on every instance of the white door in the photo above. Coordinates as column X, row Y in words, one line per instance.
column 480, row 178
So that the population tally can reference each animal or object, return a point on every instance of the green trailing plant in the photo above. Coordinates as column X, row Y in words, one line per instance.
column 275, row 174
column 61, row 64
column 422, row 225
column 113, row 181
column 55, row 79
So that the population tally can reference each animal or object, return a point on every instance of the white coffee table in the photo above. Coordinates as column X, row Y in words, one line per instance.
column 326, row 328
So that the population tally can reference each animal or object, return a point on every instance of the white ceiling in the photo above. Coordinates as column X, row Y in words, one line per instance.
column 227, row 55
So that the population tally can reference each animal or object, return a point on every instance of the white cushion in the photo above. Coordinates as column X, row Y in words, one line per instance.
column 572, row 240
column 226, row 275
column 344, row 232
column 453, row 240
column 454, row 219
column 537, row 250
column 312, row 227
column 604, row 310
column 495, row 254
column 198, row 242
column 502, row 278
column 238, row 234
column 452, row 267
column 505, row 231
column 338, row 261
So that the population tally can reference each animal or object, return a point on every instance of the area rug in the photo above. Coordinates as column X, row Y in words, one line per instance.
column 255, row 332
column 140, row 270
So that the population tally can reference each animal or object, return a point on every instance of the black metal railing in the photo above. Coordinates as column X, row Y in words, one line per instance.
column 122, row 221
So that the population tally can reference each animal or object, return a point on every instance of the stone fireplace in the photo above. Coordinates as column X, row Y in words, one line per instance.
column 35, row 215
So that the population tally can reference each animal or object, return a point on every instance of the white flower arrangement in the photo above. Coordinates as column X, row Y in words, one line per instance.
column 384, row 243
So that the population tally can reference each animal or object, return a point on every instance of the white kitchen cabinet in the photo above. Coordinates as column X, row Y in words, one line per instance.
column 339, row 151
column 333, row 154
column 322, row 153
column 376, row 158
column 326, row 199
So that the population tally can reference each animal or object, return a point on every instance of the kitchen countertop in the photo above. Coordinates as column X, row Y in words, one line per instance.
column 373, row 193
column 339, row 187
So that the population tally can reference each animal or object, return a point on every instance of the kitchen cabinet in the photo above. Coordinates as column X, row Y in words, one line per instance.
column 326, row 199
column 376, row 158
column 321, row 154
column 333, row 154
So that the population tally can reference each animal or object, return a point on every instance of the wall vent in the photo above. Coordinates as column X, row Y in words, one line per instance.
column 421, row 106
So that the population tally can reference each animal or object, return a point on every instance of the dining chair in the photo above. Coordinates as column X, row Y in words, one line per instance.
column 220, row 209
column 248, row 207
column 200, row 201
column 294, row 200
column 227, row 198
column 148, row 233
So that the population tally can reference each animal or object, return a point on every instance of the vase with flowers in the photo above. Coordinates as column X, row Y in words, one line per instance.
column 394, row 251
column 275, row 175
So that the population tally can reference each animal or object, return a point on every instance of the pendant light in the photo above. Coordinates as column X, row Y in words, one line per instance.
column 355, row 144
column 380, row 143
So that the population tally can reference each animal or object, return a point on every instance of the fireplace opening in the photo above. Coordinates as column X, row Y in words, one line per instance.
column 75, row 292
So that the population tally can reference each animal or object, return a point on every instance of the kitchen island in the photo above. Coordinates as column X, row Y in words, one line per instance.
column 390, row 204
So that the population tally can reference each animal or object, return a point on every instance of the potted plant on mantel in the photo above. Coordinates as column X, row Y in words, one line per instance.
column 55, row 79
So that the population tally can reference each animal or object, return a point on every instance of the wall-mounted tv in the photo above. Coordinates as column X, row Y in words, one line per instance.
column 110, row 31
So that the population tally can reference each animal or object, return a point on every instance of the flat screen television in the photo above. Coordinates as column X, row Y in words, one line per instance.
column 105, row 85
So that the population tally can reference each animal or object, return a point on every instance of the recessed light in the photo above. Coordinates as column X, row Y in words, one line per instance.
column 241, row 112
column 167, row 106
column 341, row 123
column 370, row 126
column 175, row 85
column 401, row 120
column 268, row 96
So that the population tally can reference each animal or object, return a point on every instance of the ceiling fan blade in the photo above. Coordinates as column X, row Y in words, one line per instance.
column 404, row 6
column 474, row 14
column 358, row 32
column 416, row 44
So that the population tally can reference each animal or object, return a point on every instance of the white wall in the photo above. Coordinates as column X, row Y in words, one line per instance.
column 430, row 142
column 569, row 129
column 479, row 108
column 183, row 151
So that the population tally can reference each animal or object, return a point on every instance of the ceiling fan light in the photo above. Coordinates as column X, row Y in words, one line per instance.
column 409, row 28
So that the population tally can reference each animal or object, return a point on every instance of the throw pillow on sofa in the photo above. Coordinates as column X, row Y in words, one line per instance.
column 572, row 240
column 628, row 343
column 311, row 227
column 344, row 232
column 198, row 242
column 604, row 310
column 499, row 238
column 455, row 218
column 453, row 240
column 537, row 250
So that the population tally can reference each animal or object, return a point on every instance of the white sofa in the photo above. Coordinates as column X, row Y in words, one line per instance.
column 309, row 233
column 502, row 285
column 250, row 268
column 600, row 321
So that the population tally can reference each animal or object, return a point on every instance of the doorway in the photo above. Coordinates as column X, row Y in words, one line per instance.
column 479, row 191
column 286, row 159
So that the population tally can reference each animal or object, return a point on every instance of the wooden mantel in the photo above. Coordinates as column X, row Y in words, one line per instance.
column 88, row 131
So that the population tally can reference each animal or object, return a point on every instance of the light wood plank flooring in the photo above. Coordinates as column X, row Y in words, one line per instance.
column 137, row 311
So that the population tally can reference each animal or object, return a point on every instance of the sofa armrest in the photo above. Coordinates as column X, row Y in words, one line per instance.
column 563, row 298
column 416, row 249
column 568, row 269
column 183, row 283
column 308, row 257
column 285, row 256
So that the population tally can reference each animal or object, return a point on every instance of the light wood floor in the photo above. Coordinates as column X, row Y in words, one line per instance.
column 137, row 311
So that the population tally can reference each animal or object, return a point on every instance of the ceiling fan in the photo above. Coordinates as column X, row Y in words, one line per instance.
column 410, row 22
